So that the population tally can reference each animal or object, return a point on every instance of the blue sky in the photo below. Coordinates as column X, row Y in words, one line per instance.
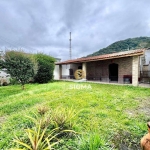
column 44, row 25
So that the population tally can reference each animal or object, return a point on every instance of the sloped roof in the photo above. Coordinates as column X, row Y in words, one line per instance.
column 104, row 57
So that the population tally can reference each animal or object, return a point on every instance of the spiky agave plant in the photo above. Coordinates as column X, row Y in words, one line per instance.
column 63, row 117
column 38, row 139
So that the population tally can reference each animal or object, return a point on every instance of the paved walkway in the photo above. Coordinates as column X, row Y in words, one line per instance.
column 144, row 85
column 100, row 82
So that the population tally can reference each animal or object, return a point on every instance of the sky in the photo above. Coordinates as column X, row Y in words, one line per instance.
column 44, row 26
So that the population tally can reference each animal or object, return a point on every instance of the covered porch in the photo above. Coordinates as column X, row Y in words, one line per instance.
column 119, row 68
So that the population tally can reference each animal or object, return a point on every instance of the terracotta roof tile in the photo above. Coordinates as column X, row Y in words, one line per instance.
column 104, row 57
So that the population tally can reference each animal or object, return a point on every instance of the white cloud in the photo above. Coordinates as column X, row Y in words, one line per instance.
column 45, row 25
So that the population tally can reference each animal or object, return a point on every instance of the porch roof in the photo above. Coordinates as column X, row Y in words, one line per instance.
column 136, row 52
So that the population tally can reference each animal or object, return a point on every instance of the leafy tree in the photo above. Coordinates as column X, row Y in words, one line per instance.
column 1, row 64
column 1, row 60
column 45, row 68
column 19, row 65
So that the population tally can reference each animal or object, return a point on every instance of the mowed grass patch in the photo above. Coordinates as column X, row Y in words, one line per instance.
column 101, row 109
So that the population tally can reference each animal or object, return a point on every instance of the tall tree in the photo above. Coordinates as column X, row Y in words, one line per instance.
column 19, row 65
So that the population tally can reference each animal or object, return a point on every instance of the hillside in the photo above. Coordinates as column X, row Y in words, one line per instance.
column 124, row 45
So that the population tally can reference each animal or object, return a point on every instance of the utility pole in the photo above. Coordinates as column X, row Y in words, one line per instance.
column 70, row 46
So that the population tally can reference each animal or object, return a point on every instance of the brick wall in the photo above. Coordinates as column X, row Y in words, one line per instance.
column 101, row 68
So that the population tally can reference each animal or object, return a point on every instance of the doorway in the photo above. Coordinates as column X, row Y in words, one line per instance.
column 113, row 72
column 71, row 74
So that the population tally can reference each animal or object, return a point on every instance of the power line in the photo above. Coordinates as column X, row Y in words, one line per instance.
column 2, row 39
column 16, row 44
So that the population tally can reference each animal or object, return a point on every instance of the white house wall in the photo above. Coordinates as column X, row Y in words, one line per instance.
column 56, row 72
column 65, row 69
column 147, row 57
column 145, row 61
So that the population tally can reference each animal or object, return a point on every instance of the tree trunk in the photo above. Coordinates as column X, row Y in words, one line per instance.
column 23, row 87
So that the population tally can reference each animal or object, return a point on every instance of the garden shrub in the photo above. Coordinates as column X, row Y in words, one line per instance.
column 19, row 65
column 45, row 68
column 13, row 81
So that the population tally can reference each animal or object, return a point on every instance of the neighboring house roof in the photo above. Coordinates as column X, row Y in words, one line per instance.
column 57, row 59
column 104, row 57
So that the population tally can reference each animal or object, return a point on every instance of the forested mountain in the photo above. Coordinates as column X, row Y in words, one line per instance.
column 124, row 45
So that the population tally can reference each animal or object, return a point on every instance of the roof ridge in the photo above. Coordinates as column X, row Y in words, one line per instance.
column 105, row 56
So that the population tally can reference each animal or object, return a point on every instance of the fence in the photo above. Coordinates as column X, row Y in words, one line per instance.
column 145, row 77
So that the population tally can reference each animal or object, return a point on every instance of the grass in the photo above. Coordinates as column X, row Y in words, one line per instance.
column 106, row 110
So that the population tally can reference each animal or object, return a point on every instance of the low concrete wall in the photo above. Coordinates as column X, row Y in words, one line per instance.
column 4, row 77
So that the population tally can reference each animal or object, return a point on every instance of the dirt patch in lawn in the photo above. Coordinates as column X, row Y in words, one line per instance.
column 2, row 119
column 143, row 108
column 124, row 140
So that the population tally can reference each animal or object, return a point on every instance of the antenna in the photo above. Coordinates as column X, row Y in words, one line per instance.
column 70, row 45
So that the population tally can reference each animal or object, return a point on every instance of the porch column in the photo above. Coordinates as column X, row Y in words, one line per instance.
column 84, row 69
column 135, row 70
column 60, row 71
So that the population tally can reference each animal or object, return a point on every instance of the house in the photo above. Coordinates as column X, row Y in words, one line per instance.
column 4, row 77
column 123, row 67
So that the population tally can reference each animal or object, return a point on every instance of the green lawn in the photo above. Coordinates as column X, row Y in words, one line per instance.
column 105, row 110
